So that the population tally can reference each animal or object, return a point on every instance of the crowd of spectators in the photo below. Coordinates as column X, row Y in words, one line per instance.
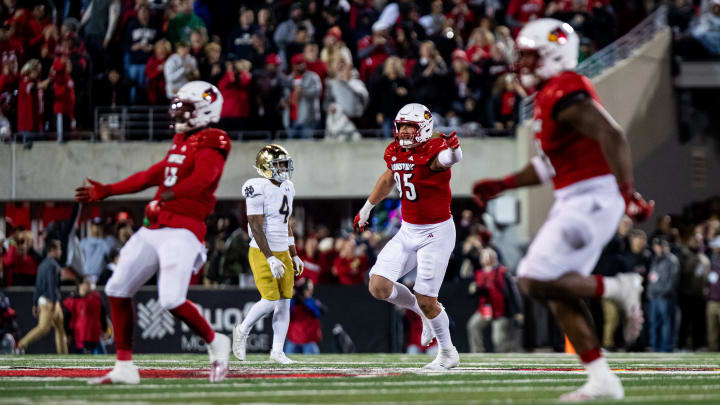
column 680, row 266
column 339, row 65
column 679, row 262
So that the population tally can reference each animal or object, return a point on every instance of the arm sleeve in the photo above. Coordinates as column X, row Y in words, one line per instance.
column 208, row 167
column 255, row 204
column 140, row 180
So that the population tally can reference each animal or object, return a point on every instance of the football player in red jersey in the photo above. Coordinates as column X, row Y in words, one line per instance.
column 418, row 164
column 584, row 153
column 173, row 244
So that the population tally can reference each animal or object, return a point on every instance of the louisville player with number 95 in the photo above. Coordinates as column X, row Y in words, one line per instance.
column 418, row 164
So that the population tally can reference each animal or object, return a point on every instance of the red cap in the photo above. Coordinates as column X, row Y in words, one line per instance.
column 334, row 32
column 297, row 59
column 460, row 54
column 272, row 59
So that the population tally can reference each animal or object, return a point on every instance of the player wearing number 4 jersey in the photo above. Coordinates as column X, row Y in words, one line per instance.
column 173, row 246
column 585, row 154
column 273, row 258
column 419, row 165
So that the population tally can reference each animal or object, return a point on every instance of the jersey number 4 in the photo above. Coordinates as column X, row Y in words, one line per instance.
column 403, row 184
column 285, row 209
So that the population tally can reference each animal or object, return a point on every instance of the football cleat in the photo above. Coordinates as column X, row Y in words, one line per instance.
column 629, row 298
column 239, row 342
column 219, row 351
column 122, row 373
column 280, row 357
column 445, row 360
column 606, row 388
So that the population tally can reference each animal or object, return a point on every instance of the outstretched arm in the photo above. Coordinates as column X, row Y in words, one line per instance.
column 382, row 188
column 137, row 182
column 532, row 174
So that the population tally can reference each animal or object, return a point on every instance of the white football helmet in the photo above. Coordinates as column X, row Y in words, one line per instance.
column 196, row 105
column 556, row 43
column 416, row 114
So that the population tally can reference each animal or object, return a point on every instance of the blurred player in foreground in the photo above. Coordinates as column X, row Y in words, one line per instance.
column 173, row 244
column 273, row 258
column 582, row 150
column 418, row 164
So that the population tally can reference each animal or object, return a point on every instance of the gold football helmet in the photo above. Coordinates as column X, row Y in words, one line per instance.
column 274, row 163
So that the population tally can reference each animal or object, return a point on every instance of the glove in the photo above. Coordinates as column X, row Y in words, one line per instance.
column 299, row 265
column 635, row 205
column 360, row 222
column 485, row 190
column 452, row 140
column 277, row 268
column 95, row 192
column 213, row 140
column 361, row 219
column 152, row 210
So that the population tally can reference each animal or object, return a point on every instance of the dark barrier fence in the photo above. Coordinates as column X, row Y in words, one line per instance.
column 374, row 326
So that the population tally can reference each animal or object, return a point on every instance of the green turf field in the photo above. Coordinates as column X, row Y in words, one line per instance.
column 369, row 379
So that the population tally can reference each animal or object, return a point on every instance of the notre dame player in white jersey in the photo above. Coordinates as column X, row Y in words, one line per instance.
column 272, row 253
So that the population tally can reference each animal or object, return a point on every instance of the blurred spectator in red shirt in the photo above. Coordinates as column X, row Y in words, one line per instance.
column 312, row 61
column 520, row 12
column 29, row 112
column 235, row 87
column 20, row 262
column 374, row 49
column 414, row 327
column 154, row 70
column 497, row 302
column 64, row 90
column 305, row 329
column 310, row 256
column 37, row 25
column 87, row 318
column 508, row 94
column 351, row 264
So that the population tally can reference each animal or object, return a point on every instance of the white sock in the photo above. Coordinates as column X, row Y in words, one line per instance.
column 257, row 311
column 402, row 296
column 441, row 327
column 280, row 323
column 123, row 363
column 598, row 369
column 612, row 287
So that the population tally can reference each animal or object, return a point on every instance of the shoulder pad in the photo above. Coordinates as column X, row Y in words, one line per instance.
column 212, row 138
column 254, row 187
column 390, row 150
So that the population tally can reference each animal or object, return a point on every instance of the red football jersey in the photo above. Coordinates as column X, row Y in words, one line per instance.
column 425, row 194
column 574, row 156
column 192, row 174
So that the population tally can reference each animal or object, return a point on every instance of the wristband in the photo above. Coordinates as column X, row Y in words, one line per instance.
column 365, row 210
column 291, row 241
column 448, row 157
